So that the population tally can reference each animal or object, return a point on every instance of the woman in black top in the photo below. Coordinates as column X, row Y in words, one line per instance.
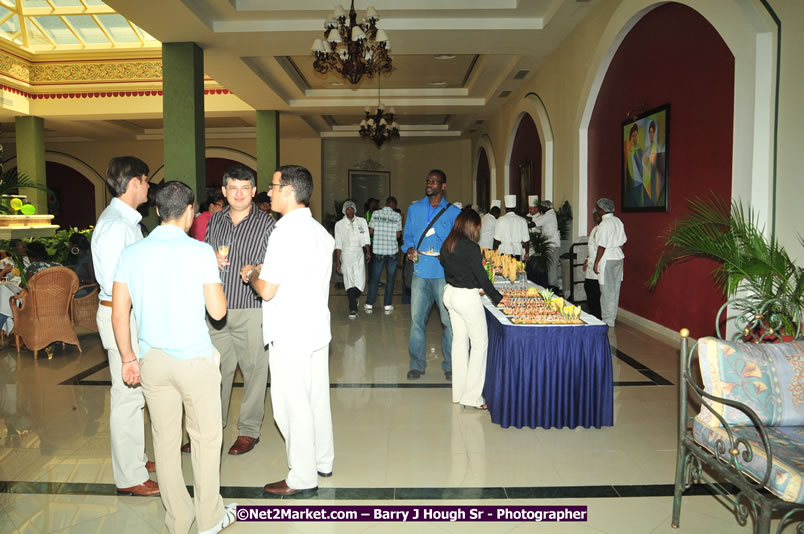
column 466, row 281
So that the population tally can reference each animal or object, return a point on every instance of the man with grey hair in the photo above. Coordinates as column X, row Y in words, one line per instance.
column 239, row 234
column 609, row 260
column 352, row 253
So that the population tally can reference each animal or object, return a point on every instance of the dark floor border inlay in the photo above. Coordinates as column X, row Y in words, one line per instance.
column 654, row 378
column 388, row 494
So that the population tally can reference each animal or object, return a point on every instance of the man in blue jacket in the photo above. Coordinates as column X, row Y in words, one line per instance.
column 428, row 283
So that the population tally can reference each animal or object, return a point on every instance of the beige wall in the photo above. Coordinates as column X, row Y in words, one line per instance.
column 408, row 162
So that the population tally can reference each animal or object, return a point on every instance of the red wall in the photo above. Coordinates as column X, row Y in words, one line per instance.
column 527, row 147
column 73, row 200
column 483, row 181
column 673, row 55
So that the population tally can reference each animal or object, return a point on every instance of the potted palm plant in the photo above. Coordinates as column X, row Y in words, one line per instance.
column 749, row 262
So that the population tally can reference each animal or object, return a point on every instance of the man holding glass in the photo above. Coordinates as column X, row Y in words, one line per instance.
column 239, row 234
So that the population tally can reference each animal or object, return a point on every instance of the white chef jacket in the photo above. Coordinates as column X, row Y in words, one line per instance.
column 487, row 226
column 591, row 254
column 511, row 232
column 610, row 234
column 350, row 238
column 547, row 223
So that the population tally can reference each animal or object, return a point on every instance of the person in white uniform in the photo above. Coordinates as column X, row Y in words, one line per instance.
column 488, row 225
column 590, row 284
column 294, row 283
column 117, row 228
column 547, row 224
column 511, row 235
column 609, row 260
column 352, row 253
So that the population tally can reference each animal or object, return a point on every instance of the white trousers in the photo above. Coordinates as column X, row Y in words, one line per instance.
column 300, row 398
column 468, row 326
column 126, row 422
column 611, row 279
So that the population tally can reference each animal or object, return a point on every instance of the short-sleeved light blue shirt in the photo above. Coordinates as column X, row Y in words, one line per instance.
column 165, row 274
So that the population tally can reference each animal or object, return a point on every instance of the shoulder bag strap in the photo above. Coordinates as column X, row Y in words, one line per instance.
column 427, row 228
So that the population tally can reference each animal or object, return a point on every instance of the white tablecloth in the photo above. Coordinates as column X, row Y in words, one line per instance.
column 590, row 320
column 7, row 290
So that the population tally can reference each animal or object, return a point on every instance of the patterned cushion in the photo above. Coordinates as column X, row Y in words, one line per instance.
column 787, row 444
column 769, row 378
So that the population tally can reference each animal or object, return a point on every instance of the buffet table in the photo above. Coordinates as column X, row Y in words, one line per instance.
column 549, row 376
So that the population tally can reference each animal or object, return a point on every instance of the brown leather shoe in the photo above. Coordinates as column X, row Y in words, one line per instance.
column 281, row 488
column 149, row 488
column 243, row 444
column 150, row 466
column 186, row 447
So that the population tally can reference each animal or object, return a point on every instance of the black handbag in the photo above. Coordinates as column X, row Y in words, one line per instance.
column 409, row 267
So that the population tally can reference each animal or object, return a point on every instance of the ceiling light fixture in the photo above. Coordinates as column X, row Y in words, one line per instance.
column 379, row 126
column 352, row 50
column 445, row 56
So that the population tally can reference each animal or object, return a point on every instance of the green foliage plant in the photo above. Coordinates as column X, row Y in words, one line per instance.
column 10, row 184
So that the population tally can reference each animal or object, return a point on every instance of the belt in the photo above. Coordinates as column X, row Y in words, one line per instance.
column 107, row 303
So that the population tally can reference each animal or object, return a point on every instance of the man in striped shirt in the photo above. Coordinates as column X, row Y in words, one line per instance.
column 238, row 337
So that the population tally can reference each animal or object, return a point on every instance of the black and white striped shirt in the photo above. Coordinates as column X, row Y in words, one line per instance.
column 249, row 239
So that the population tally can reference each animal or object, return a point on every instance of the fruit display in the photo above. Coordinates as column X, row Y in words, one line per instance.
column 504, row 265
column 530, row 306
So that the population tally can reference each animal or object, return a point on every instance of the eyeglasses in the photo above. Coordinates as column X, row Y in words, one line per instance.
column 280, row 186
column 432, row 182
column 235, row 188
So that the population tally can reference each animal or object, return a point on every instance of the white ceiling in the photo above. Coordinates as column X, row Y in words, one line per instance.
column 260, row 50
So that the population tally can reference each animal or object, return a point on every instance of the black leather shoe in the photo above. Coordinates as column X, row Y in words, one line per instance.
column 325, row 475
column 413, row 374
column 448, row 375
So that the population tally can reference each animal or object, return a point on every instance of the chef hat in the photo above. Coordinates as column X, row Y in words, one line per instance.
column 348, row 204
column 546, row 204
column 510, row 201
column 606, row 205
column 458, row 205
column 533, row 201
column 496, row 204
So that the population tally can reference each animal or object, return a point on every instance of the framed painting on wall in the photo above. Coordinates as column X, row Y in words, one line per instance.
column 645, row 150
column 364, row 185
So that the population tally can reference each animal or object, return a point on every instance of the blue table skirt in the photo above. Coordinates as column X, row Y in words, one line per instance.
column 549, row 376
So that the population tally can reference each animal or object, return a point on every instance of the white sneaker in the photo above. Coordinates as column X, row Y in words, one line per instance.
column 368, row 306
column 229, row 517
column 390, row 307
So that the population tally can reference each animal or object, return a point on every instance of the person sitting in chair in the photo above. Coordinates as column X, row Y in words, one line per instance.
column 39, row 259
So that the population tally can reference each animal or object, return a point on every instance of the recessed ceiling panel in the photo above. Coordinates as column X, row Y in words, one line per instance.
column 410, row 72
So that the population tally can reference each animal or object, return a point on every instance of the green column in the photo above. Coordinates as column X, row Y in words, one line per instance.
column 267, row 147
column 31, row 158
column 183, row 112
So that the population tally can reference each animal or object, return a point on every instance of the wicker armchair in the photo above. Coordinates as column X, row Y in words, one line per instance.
column 85, row 308
column 42, row 311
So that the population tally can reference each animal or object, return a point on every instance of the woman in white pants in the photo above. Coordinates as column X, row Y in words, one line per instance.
column 466, row 282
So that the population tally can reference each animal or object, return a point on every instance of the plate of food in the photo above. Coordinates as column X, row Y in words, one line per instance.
column 431, row 252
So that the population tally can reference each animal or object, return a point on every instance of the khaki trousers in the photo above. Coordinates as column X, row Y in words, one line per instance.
column 170, row 384
column 238, row 338
column 300, row 398
column 468, row 320
column 126, row 420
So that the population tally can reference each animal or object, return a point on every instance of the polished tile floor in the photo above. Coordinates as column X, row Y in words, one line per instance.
column 397, row 442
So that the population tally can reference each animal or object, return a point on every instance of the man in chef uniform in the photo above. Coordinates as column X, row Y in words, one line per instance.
column 511, row 235
column 352, row 252
column 547, row 224
column 488, row 224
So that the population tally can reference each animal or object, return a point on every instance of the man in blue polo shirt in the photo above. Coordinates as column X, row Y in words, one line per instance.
column 172, row 279
column 428, row 283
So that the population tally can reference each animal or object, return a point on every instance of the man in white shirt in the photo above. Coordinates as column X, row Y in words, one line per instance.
column 294, row 283
column 352, row 253
column 488, row 224
column 608, row 262
column 547, row 224
column 511, row 235
column 117, row 228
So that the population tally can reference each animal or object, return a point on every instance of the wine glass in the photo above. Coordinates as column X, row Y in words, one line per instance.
column 223, row 249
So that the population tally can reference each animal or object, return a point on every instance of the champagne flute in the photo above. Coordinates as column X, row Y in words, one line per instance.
column 223, row 249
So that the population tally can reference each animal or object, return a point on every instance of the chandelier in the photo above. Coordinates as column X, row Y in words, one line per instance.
column 351, row 49
column 379, row 126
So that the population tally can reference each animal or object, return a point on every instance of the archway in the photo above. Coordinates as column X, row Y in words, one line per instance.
column 484, row 143
column 72, row 201
column 532, row 105
column 524, row 163
column 482, row 196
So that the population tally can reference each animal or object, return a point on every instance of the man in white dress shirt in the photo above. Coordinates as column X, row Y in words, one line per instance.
column 547, row 224
column 117, row 228
column 488, row 224
column 511, row 235
column 609, row 260
column 294, row 283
